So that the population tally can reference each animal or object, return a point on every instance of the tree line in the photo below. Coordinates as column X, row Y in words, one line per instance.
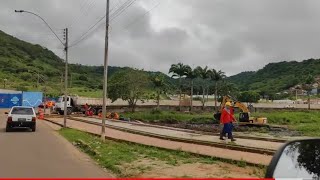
column 133, row 85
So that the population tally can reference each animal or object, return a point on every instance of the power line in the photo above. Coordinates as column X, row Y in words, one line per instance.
column 77, row 18
column 90, row 28
column 139, row 18
column 84, row 34
column 121, row 10
column 117, row 13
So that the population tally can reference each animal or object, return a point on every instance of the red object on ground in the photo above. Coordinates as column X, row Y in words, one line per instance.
column 41, row 114
column 89, row 112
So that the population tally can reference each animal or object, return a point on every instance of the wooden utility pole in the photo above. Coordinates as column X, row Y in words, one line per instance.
column 66, row 82
column 105, row 74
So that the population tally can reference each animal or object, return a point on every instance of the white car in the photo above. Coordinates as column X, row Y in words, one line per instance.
column 21, row 117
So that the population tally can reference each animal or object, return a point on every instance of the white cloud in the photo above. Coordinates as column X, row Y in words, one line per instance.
column 230, row 35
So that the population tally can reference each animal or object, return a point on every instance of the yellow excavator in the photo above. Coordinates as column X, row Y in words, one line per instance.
column 244, row 116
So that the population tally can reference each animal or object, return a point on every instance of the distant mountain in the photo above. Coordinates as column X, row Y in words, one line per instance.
column 23, row 63
column 276, row 77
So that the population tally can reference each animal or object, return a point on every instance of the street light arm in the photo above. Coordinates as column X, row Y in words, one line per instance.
column 22, row 11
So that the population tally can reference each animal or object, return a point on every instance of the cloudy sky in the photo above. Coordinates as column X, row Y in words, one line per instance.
column 233, row 36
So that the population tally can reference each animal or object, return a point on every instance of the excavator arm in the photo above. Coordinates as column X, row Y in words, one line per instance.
column 241, row 106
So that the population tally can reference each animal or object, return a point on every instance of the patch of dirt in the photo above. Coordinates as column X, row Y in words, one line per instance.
column 147, row 168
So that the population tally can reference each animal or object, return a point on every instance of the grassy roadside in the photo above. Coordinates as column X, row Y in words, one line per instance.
column 134, row 160
column 307, row 122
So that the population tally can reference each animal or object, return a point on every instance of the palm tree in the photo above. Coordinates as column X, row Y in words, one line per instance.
column 216, row 76
column 160, row 86
column 191, row 74
column 204, row 74
column 178, row 70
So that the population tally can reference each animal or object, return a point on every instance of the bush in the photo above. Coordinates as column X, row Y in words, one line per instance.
column 156, row 111
column 83, row 78
column 22, row 88
column 26, row 76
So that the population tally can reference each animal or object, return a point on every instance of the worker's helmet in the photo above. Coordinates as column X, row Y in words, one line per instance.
column 228, row 104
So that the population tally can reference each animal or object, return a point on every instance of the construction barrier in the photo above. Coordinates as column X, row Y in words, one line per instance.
column 41, row 114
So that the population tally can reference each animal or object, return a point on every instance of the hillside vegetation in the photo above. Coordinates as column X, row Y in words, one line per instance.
column 21, row 62
column 275, row 77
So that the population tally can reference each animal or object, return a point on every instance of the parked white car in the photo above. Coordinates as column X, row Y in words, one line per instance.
column 21, row 117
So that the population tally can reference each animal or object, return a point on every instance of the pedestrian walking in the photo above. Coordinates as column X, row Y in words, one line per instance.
column 227, row 119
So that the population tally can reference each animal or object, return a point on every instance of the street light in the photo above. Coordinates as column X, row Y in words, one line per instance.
column 66, row 64
column 23, row 11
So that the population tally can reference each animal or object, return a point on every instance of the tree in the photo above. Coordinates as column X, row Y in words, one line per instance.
column 216, row 76
column 178, row 70
column 249, row 96
column 159, row 85
column 129, row 85
column 26, row 76
column 204, row 74
column 191, row 74
column 308, row 87
column 226, row 88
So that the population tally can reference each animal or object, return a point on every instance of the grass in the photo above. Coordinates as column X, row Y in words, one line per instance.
column 86, row 92
column 117, row 156
column 307, row 122
column 112, row 155
column 171, row 117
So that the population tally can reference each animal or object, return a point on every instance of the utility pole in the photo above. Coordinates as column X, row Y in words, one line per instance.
column 105, row 75
column 66, row 81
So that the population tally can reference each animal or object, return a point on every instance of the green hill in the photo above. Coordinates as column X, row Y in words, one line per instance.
column 275, row 77
column 21, row 62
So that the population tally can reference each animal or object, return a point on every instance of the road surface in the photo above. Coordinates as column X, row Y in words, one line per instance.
column 44, row 154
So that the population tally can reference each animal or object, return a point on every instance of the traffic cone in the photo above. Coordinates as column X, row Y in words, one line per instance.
column 41, row 114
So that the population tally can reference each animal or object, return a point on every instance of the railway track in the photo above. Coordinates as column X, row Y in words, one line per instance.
column 202, row 132
column 185, row 130
column 179, row 139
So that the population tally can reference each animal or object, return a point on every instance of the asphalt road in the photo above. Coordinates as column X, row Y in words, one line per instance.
column 43, row 154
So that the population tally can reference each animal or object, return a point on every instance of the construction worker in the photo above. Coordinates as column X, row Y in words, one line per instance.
column 226, row 119
column 221, row 127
